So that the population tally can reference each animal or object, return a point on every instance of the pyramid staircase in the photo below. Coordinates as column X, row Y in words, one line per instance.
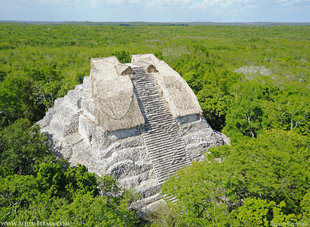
column 163, row 141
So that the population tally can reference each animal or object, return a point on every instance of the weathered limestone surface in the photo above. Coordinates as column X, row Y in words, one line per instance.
column 115, row 103
column 114, row 123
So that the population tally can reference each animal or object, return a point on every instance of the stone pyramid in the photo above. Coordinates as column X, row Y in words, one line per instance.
column 139, row 121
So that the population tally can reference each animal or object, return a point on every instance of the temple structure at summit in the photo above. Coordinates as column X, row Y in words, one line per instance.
column 138, row 121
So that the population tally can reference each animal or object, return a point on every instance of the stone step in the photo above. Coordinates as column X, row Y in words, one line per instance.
column 156, row 115
column 163, row 178
column 164, row 116
column 168, row 160
column 171, row 154
column 140, row 79
column 146, row 91
column 155, row 106
column 161, row 136
column 167, row 157
column 158, row 152
column 163, row 158
column 163, row 143
column 164, row 126
column 161, row 131
column 170, row 164
column 156, row 119
column 168, row 172
column 166, row 146
column 153, row 109
column 153, row 103
column 157, row 131
column 160, row 141
column 168, row 167
column 143, row 91
column 141, row 85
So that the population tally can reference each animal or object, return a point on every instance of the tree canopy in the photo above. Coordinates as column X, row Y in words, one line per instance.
column 262, row 179
column 253, row 182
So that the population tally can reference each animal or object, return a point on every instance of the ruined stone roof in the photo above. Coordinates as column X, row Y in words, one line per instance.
column 115, row 103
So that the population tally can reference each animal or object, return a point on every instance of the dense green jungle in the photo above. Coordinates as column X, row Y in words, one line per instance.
column 252, row 82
